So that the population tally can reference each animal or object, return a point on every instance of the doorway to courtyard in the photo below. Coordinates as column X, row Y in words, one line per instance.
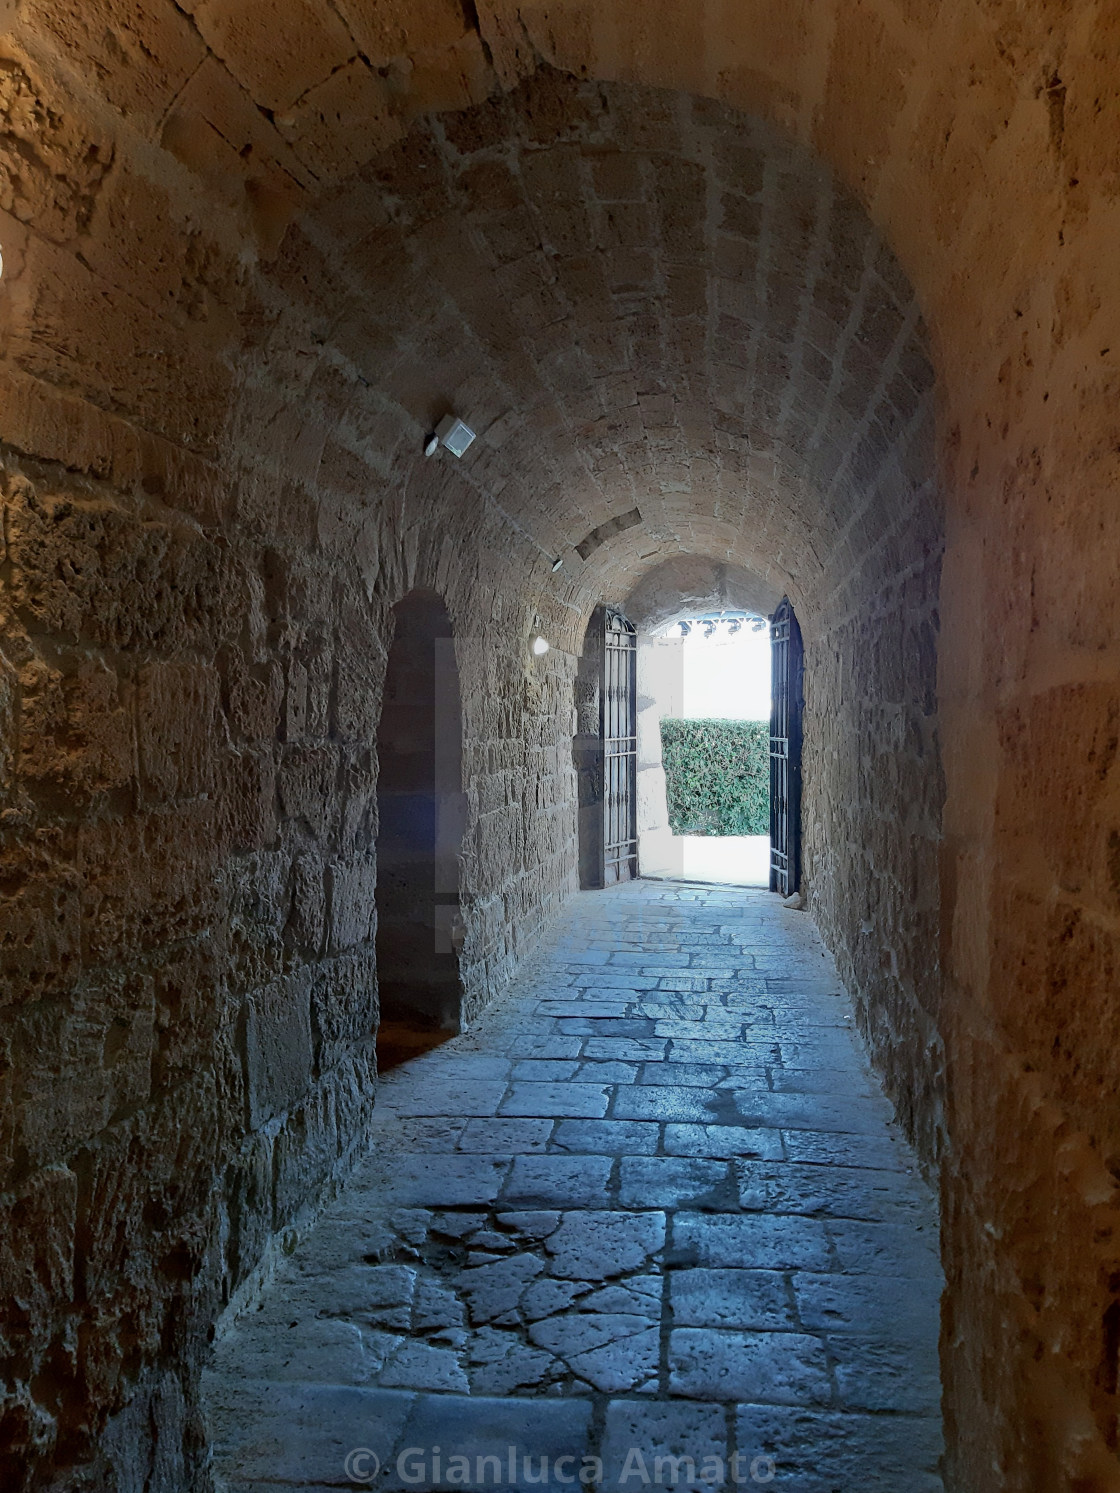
column 704, row 731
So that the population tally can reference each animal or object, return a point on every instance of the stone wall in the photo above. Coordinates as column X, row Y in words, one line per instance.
column 189, row 820
column 872, row 805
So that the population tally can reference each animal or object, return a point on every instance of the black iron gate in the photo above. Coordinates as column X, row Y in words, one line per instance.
column 787, row 700
column 619, row 730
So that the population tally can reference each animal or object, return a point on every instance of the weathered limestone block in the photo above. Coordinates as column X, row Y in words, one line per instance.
column 75, row 729
column 143, row 51
column 248, row 1206
column 178, row 729
column 298, row 707
column 253, row 694
column 341, row 122
column 61, row 1098
column 1078, row 722
column 8, row 718
column 249, row 800
column 193, row 1016
column 277, row 51
column 359, row 674
column 324, row 1129
column 359, row 815
column 80, row 331
column 307, row 923
column 309, row 787
column 40, row 915
column 174, row 265
column 343, row 1006
column 353, row 886
column 278, row 1046
column 142, row 1246
column 92, row 571
column 148, row 879
column 51, row 163
column 37, row 1227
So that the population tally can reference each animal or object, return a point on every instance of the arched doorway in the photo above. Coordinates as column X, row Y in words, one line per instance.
column 420, row 826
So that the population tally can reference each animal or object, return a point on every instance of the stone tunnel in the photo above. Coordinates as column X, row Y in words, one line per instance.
column 814, row 301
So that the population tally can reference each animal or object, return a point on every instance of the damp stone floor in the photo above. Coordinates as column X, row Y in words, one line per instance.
column 649, row 1224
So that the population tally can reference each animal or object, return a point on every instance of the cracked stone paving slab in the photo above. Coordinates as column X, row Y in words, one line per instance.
column 652, row 1205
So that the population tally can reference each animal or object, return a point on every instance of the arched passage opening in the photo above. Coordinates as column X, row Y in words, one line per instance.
column 680, row 591
column 419, row 816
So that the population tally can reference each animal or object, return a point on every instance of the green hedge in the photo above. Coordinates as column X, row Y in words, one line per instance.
column 717, row 776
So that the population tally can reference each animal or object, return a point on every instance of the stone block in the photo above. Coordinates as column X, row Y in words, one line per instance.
column 666, row 1443
column 341, row 122
column 91, row 571
column 53, row 163
column 319, row 1133
column 276, row 56
column 783, row 1368
column 278, row 1050
column 343, row 1005
column 142, row 53
column 309, row 787
column 148, row 879
column 81, row 1062
column 193, row 1015
column 79, row 329
column 75, row 727
column 353, row 888
column 9, row 711
column 178, row 728
column 37, row 1261
column 248, row 800
column 253, row 694
column 818, row 1449
column 40, row 917
column 307, row 920
column 140, row 1241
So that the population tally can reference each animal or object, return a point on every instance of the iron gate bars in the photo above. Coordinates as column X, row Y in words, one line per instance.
column 619, row 730
column 787, row 662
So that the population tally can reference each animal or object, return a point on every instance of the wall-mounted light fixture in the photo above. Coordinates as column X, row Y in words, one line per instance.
column 557, row 563
column 452, row 433
column 539, row 646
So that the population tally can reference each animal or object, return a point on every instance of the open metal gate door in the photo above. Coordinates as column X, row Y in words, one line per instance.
column 786, row 704
column 619, row 728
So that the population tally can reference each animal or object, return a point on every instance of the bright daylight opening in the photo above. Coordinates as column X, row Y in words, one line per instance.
column 703, row 750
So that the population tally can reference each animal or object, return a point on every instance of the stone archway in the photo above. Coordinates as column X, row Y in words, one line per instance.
column 419, row 816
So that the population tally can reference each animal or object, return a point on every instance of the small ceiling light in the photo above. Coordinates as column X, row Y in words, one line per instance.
column 454, row 434
column 540, row 646
column 557, row 563
column 431, row 445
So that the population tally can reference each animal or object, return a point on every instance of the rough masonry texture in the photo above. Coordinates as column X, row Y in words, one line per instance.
column 826, row 291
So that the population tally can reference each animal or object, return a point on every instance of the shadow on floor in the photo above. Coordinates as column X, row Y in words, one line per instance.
column 399, row 1042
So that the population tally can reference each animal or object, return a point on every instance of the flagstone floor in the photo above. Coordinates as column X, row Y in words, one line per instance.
column 648, row 1224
